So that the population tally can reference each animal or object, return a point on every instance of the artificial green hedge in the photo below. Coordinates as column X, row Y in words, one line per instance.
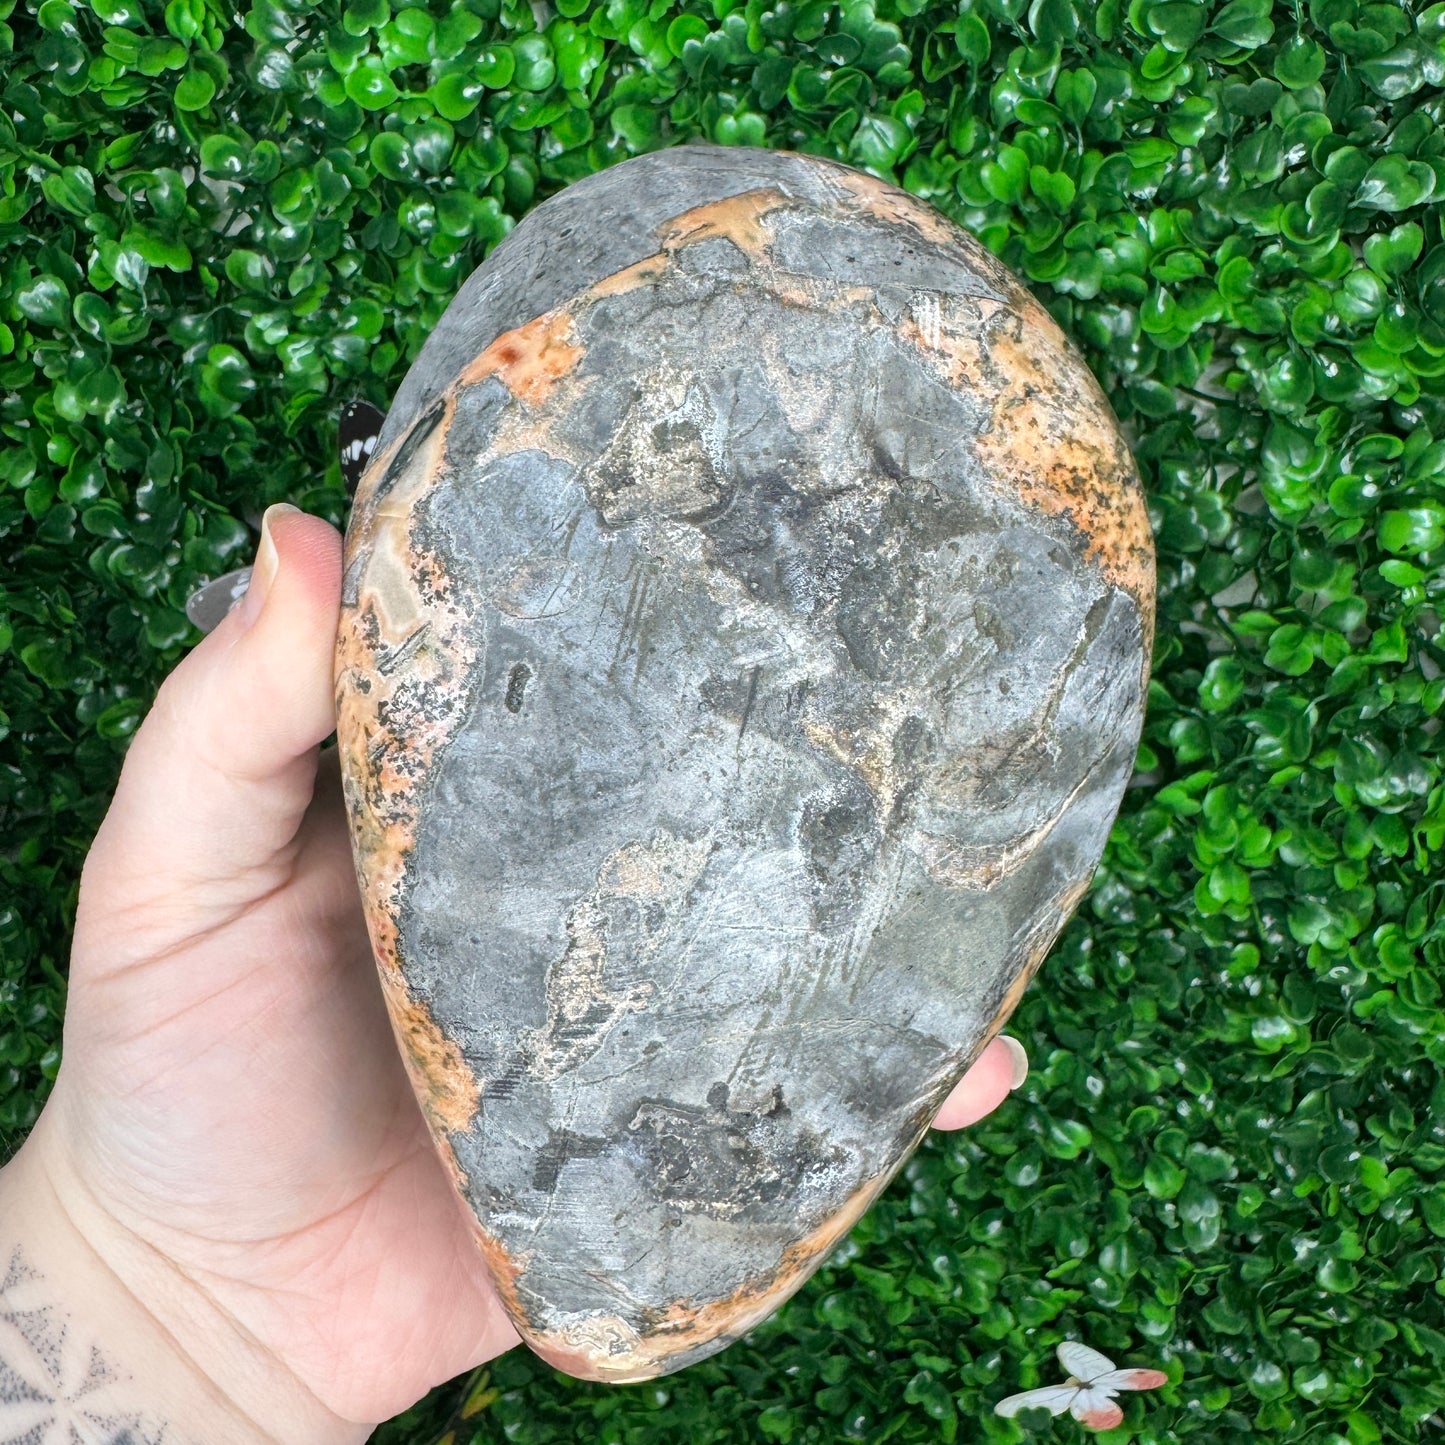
column 217, row 223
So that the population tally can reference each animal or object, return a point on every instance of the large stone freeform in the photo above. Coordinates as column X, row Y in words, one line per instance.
column 744, row 645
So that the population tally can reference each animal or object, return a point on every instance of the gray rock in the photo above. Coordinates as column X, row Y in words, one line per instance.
column 743, row 654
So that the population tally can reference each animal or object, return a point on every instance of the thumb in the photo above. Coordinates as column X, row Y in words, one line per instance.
column 997, row 1072
column 218, row 777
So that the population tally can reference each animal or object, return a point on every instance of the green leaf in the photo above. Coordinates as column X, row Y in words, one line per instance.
column 249, row 270
column 184, row 19
column 223, row 156
column 495, row 66
column 972, row 39
column 1053, row 188
column 683, row 29
column 1393, row 253
column 45, row 301
column 1400, row 71
column 57, row 16
column 370, row 85
column 1222, row 684
column 878, row 142
column 226, row 381
column 1163, row 1178
column 1290, row 650
column 1412, row 530
column 72, row 189
column 361, row 16
column 535, row 68
column 1250, row 99
column 125, row 265
column 118, row 12
column 195, row 90
column 1394, row 184
column 1245, row 23
column 456, row 96
column 1177, row 23
column 408, row 39
column 431, row 146
column 1006, row 178
column 392, row 156
column 155, row 249
column 1270, row 1032
column 166, row 194
column 1402, row 574
column 1299, row 63
column 1075, row 91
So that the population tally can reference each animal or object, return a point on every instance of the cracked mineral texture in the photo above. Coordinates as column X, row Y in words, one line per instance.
column 745, row 635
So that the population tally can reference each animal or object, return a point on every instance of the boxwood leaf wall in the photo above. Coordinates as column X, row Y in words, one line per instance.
column 218, row 221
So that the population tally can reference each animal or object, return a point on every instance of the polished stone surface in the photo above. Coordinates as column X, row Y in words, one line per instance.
column 743, row 653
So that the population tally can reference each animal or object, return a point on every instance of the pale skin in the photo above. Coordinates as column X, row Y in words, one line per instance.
column 231, row 1194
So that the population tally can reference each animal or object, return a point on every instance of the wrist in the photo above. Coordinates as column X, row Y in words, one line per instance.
column 94, row 1296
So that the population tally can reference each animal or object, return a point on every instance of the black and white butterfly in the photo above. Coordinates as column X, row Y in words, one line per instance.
column 357, row 430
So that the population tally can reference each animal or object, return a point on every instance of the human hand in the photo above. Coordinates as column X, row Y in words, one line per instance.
column 232, row 1135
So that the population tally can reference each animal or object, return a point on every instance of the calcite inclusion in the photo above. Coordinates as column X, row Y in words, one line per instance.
column 744, row 643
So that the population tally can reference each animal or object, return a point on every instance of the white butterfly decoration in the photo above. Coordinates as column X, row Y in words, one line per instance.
column 1088, row 1393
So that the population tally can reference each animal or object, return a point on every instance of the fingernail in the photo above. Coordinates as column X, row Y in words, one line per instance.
column 1020, row 1057
column 263, row 570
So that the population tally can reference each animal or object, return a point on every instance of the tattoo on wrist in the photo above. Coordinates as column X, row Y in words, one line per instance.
column 56, row 1386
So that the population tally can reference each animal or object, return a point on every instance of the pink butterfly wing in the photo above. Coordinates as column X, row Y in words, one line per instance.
column 1095, row 1409
column 1053, row 1398
column 1131, row 1380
